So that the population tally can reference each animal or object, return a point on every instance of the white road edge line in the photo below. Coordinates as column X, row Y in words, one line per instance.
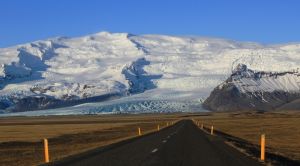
column 154, row 150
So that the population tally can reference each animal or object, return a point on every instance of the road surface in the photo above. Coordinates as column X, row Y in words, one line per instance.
column 182, row 144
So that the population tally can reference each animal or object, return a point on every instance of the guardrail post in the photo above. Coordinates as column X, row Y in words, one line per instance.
column 262, row 147
column 139, row 131
column 212, row 130
column 46, row 150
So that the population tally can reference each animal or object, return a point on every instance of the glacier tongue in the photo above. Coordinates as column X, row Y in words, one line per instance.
column 172, row 68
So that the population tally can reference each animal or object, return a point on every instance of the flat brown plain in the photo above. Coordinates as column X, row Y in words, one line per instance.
column 21, row 137
column 281, row 129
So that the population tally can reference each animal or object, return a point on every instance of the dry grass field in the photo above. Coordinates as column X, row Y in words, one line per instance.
column 281, row 129
column 21, row 137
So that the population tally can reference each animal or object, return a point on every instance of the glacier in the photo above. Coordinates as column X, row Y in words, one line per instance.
column 129, row 72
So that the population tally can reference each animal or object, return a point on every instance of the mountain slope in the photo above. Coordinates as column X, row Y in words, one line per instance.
column 99, row 67
column 246, row 89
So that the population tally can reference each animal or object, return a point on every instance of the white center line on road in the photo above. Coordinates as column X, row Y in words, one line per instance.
column 164, row 141
column 154, row 150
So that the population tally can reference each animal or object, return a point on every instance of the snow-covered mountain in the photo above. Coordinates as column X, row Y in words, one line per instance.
column 105, row 66
column 246, row 89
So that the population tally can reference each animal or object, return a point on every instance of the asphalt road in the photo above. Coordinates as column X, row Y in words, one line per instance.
column 182, row 144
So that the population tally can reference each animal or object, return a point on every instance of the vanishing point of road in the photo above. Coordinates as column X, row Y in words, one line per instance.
column 182, row 144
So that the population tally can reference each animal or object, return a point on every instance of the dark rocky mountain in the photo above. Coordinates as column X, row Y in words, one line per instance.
column 246, row 89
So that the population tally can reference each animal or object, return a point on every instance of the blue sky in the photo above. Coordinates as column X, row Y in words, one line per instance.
column 264, row 21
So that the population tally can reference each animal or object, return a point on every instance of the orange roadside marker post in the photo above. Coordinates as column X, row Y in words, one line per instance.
column 158, row 128
column 46, row 150
column 212, row 130
column 139, row 131
column 262, row 147
column 202, row 126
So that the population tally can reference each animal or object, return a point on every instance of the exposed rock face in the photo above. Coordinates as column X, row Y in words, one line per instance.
column 250, row 90
column 41, row 102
